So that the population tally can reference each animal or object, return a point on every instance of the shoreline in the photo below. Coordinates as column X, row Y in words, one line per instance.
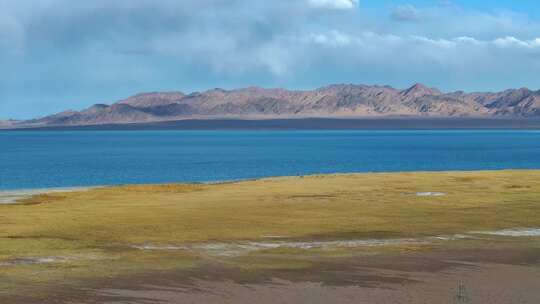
column 29, row 192
column 287, row 124
column 13, row 196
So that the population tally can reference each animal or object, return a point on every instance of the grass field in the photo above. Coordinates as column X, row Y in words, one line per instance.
column 65, row 237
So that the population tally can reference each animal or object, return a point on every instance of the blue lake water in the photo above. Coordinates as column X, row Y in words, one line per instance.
column 85, row 158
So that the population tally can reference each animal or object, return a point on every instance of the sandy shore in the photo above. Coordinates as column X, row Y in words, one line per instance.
column 8, row 197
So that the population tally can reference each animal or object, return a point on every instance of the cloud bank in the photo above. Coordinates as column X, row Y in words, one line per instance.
column 334, row 4
column 65, row 54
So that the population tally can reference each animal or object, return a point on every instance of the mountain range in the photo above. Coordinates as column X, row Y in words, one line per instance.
column 334, row 101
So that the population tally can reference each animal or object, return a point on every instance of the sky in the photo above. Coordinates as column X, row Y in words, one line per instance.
column 64, row 54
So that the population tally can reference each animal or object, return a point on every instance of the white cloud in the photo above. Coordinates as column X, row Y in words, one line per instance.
column 466, row 39
column 333, row 38
column 334, row 4
column 513, row 42
column 338, row 38
column 422, row 52
column 406, row 13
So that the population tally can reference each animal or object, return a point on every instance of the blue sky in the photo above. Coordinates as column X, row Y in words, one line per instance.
column 64, row 54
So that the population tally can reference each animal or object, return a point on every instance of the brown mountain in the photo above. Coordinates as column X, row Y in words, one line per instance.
column 7, row 123
column 97, row 114
column 343, row 100
column 153, row 99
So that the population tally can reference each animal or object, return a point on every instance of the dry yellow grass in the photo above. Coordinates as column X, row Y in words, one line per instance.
column 94, row 228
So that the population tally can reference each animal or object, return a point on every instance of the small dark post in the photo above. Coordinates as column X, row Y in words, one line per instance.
column 461, row 296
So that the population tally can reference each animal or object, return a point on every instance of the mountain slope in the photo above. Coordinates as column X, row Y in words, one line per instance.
column 7, row 123
column 343, row 100
column 98, row 114
column 154, row 99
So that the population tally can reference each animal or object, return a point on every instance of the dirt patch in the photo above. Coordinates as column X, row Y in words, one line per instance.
column 506, row 275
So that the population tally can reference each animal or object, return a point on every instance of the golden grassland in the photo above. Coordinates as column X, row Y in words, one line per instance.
column 93, row 229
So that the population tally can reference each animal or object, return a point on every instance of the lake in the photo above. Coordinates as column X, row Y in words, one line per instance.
column 45, row 159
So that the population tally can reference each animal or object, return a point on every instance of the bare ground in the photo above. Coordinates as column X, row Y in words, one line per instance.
column 489, row 276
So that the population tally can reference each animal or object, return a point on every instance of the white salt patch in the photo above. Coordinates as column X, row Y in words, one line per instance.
column 454, row 237
column 153, row 247
column 32, row 261
column 236, row 249
column 430, row 194
column 344, row 243
column 274, row 236
column 517, row 232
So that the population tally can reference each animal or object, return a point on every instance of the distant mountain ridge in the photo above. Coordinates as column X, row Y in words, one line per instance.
column 334, row 101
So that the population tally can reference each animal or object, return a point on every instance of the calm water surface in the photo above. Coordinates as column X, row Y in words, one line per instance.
column 84, row 158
